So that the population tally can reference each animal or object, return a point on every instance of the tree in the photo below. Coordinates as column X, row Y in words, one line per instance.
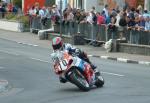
column 18, row 3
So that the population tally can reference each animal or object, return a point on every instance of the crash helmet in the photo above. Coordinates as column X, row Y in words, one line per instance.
column 57, row 43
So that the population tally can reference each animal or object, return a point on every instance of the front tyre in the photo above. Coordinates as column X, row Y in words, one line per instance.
column 79, row 80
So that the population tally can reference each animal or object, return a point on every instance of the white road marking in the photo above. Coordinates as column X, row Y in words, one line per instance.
column 8, row 52
column 122, row 59
column 40, row 60
column 27, row 44
column 104, row 57
column 113, row 74
column 1, row 67
column 143, row 62
column 90, row 55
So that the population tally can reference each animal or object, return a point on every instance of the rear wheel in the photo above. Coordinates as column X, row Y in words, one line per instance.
column 99, row 81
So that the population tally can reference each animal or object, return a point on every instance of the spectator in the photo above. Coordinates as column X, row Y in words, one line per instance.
column 118, row 18
column 31, row 11
column 107, row 19
column 3, row 10
column 146, row 14
column 134, row 37
column 55, row 15
column 114, row 12
column 90, row 18
column 132, row 13
column 14, row 9
column 130, row 22
column 94, row 17
column 69, row 20
column 141, row 23
column 140, row 9
column 82, row 17
column 100, row 18
column 10, row 7
column 147, row 23
column 43, row 16
column 112, row 27
column 93, row 9
column 36, row 9
column 106, row 11
column 122, row 25
column 49, row 16
column 77, row 16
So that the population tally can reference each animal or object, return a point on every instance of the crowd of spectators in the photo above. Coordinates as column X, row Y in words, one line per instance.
column 7, row 7
column 115, row 19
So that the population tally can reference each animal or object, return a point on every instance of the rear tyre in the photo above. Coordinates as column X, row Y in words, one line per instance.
column 99, row 82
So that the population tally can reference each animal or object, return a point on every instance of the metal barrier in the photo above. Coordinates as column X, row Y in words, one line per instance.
column 101, row 33
column 144, row 37
column 138, row 37
column 36, row 23
column 89, row 31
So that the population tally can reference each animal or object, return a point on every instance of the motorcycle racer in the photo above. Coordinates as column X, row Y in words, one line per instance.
column 57, row 44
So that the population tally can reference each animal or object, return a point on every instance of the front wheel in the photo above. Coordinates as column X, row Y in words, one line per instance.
column 77, row 78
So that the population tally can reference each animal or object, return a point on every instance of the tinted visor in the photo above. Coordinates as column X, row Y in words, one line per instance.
column 58, row 46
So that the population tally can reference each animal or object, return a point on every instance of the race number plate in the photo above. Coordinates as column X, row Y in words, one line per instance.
column 63, row 64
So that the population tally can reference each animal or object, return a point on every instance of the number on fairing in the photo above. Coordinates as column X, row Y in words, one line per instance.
column 63, row 64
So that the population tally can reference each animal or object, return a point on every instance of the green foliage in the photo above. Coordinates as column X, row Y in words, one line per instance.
column 10, row 16
column 25, row 21
column 18, row 3
column 15, row 17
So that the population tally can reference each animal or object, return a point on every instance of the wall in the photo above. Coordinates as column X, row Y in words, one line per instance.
column 134, row 49
column 147, row 4
column 90, row 3
column 99, row 4
column 8, row 25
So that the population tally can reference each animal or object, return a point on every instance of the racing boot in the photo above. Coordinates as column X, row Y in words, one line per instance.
column 97, row 73
column 62, row 80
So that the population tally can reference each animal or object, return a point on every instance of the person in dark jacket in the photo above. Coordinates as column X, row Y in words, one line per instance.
column 122, row 25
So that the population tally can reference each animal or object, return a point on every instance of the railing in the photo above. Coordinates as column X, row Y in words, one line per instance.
column 36, row 23
column 89, row 31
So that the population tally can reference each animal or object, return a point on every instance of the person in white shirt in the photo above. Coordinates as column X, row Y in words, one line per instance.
column 106, row 11
column 89, row 18
column 147, row 23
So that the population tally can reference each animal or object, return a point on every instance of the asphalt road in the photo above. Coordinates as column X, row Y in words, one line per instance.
column 28, row 70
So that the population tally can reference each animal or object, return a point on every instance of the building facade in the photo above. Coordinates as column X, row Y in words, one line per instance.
column 88, row 4
column 99, row 4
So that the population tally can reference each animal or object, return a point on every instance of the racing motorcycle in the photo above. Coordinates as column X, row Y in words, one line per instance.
column 75, row 70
